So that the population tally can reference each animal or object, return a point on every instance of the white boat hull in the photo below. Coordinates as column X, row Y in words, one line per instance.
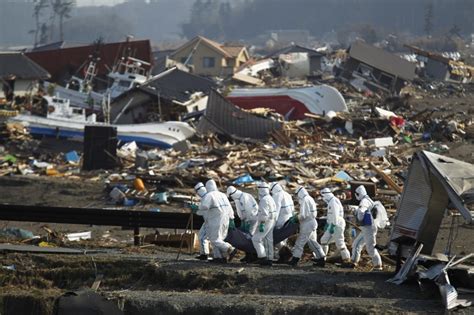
column 162, row 135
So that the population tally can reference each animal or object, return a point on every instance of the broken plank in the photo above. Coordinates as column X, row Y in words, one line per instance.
column 386, row 178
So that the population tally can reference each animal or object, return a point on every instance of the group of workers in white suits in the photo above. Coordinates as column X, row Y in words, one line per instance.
column 275, row 207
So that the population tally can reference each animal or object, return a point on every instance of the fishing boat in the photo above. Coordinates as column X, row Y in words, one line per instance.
column 125, row 75
column 63, row 120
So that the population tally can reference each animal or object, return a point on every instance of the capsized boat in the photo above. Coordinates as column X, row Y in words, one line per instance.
column 291, row 103
column 125, row 75
column 65, row 121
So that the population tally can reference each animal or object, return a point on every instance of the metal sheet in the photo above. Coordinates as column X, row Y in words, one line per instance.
column 414, row 202
column 224, row 118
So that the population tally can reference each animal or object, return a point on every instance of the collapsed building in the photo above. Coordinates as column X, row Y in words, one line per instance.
column 290, row 56
column 167, row 96
column 19, row 74
column 440, row 68
column 374, row 69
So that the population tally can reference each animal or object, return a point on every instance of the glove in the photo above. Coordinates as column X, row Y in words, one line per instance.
column 231, row 224
column 261, row 227
column 194, row 207
column 326, row 227
column 294, row 219
column 332, row 229
column 247, row 227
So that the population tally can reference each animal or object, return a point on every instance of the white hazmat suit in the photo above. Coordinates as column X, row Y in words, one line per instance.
column 203, row 235
column 335, row 225
column 308, row 226
column 219, row 213
column 263, row 238
column 285, row 208
column 368, row 233
column 247, row 209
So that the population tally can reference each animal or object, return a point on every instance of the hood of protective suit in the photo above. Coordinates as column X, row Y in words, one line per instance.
column 327, row 195
column 275, row 188
column 233, row 193
column 211, row 185
column 301, row 192
column 200, row 189
column 360, row 192
column 263, row 189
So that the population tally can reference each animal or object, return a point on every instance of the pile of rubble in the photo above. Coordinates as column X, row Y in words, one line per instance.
column 368, row 144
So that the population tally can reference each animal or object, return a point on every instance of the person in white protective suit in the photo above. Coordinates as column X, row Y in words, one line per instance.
column 247, row 209
column 368, row 233
column 335, row 225
column 308, row 226
column 285, row 208
column 219, row 215
column 263, row 238
column 203, row 234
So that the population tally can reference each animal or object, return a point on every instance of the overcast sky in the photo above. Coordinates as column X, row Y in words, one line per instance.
column 98, row 2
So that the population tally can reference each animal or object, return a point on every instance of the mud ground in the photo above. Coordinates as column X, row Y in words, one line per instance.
column 158, row 284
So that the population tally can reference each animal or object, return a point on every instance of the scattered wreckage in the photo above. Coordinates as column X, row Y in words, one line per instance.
column 325, row 133
column 434, row 184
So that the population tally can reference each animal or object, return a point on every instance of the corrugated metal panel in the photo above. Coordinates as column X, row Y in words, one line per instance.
column 225, row 118
column 414, row 202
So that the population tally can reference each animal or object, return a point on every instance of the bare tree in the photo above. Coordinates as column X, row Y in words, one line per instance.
column 38, row 9
column 64, row 11
column 429, row 19
column 43, row 34
column 61, row 9
column 52, row 18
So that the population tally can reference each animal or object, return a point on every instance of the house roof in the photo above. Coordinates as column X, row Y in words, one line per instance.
column 18, row 65
column 56, row 45
column 68, row 61
column 175, row 84
column 228, row 51
column 295, row 49
column 223, row 117
column 382, row 60
column 233, row 51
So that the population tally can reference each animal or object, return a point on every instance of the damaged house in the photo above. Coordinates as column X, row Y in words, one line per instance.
column 167, row 96
column 209, row 58
column 440, row 68
column 19, row 75
column 375, row 69
column 311, row 58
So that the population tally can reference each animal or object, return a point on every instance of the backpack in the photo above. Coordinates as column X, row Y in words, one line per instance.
column 379, row 214
column 375, row 214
